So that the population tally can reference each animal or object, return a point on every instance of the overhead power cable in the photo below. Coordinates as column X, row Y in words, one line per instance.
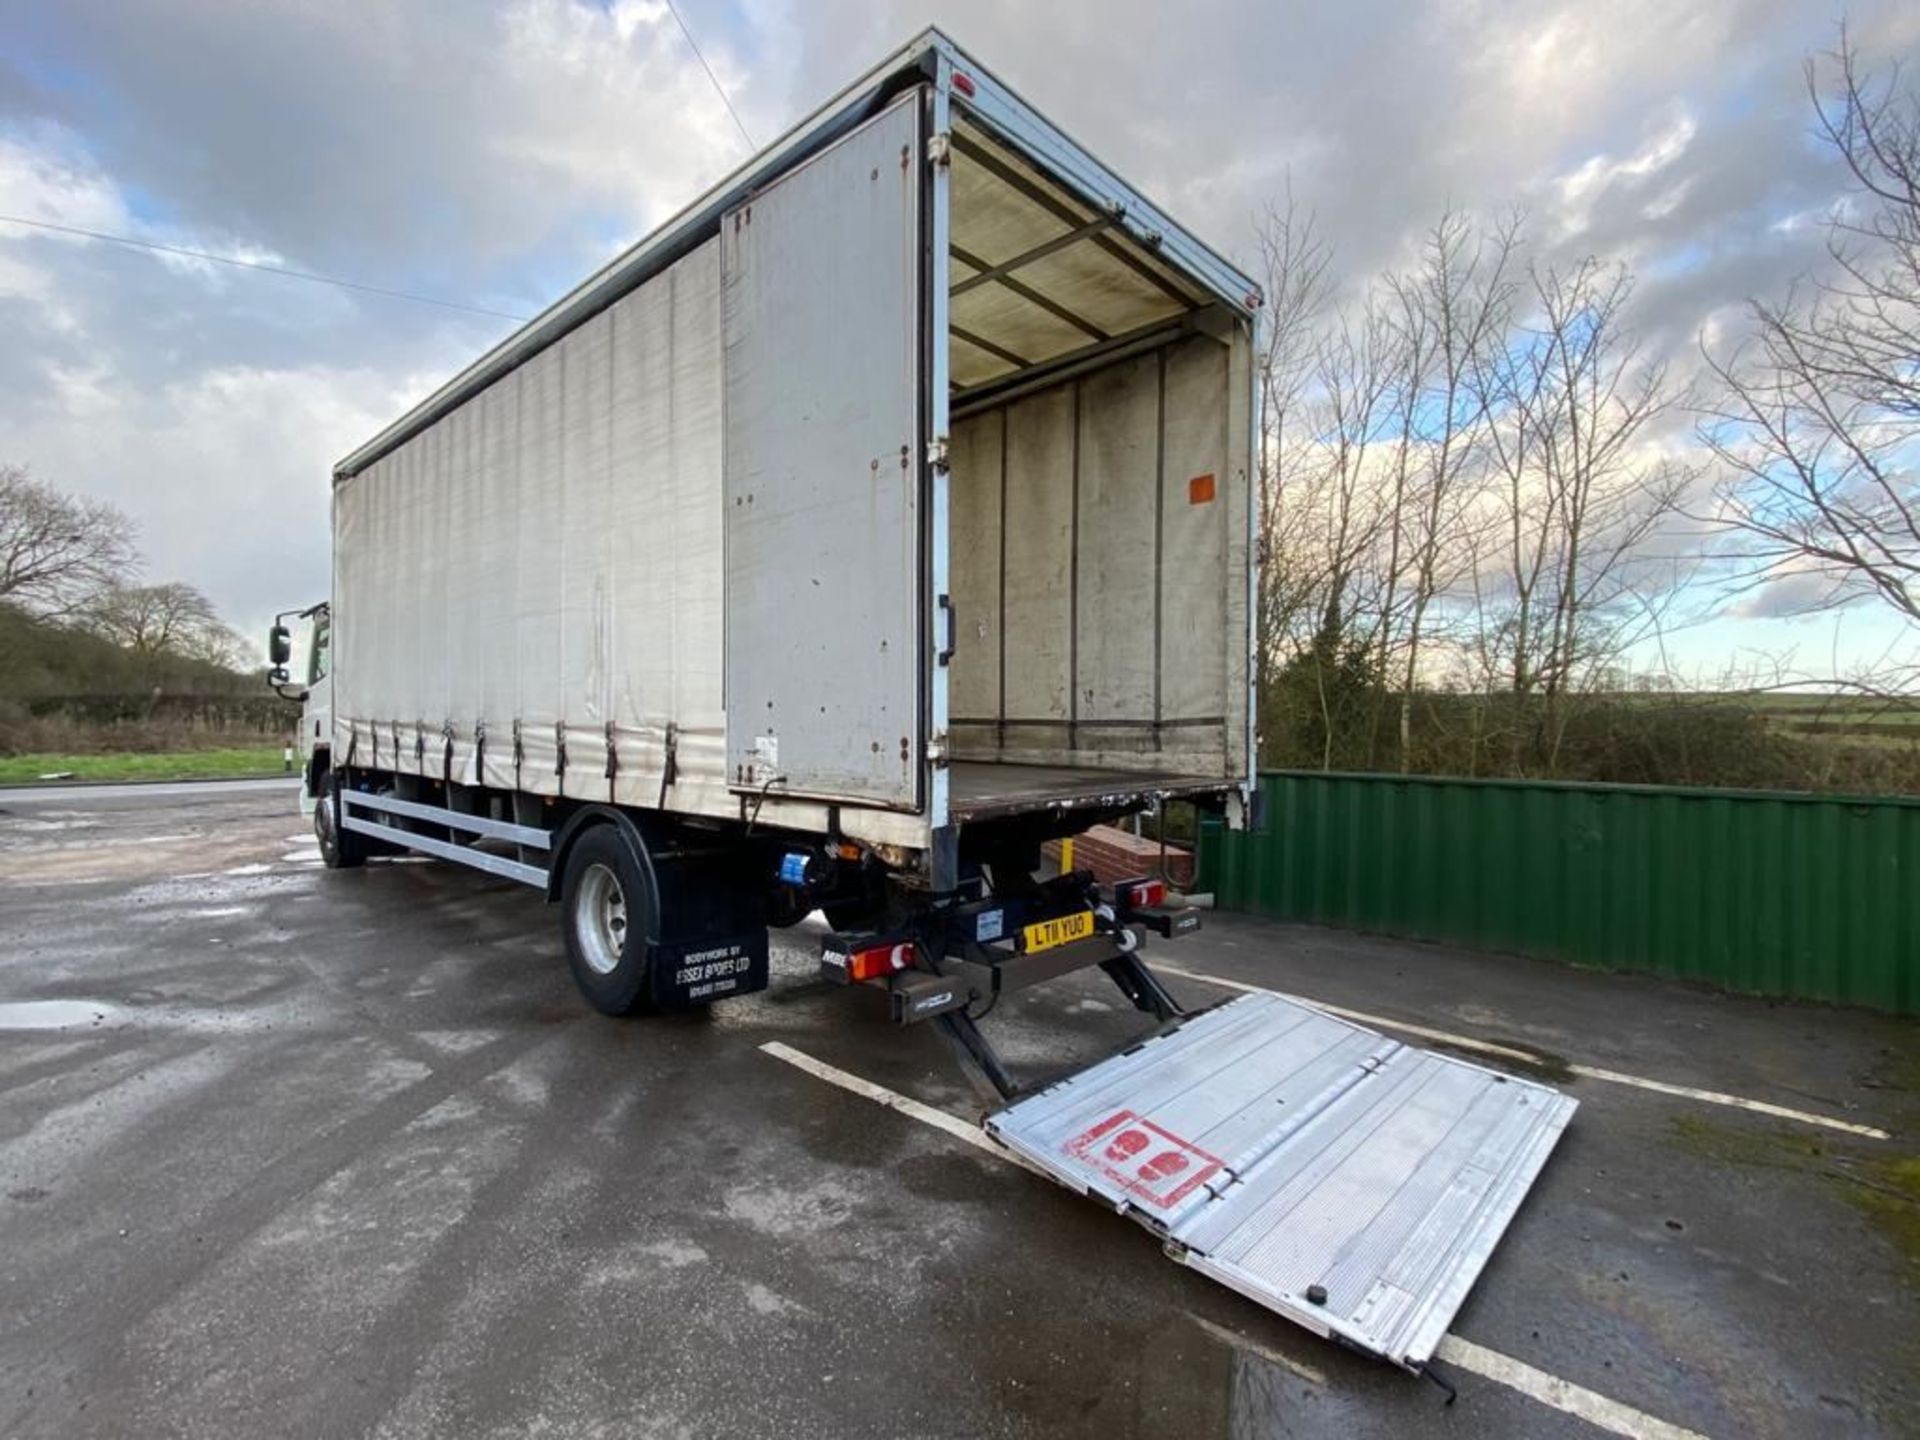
column 317, row 279
column 718, row 88
column 261, row 265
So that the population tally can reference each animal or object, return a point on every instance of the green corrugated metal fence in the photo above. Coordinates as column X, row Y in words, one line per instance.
column 1810, row 896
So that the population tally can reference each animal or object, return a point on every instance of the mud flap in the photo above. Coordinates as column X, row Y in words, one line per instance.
column 712, row 935
column 1344, row 1180
column 698, row 972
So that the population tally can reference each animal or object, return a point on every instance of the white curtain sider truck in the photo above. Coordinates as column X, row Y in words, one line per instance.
column 883, row 515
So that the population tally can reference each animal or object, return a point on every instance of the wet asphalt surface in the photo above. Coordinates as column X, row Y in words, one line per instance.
column 291, row 1152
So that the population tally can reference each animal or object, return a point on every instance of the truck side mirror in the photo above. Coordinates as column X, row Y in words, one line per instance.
column 279, row 645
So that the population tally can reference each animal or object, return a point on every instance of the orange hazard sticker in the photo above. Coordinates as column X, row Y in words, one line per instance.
column 1144, row 1160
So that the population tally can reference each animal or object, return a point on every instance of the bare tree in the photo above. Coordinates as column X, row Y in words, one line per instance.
column 1341, row 511
column 158, row 620
column 1294, row 260
column 1460, row 483
column 1817, row 427
column 1331, row 373
column 220, row 644
column 1453, row 311
column 1580, row 493
column 57, row 551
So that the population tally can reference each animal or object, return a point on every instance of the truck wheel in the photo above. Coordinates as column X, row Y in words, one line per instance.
column 787, row 907
column 606, row 910
column 339, row 849
column 851, row 915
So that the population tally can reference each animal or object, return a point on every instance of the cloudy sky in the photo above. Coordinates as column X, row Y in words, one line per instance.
column 493, row 154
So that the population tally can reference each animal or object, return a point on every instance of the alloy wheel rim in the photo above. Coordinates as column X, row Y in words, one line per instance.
column 600, row 919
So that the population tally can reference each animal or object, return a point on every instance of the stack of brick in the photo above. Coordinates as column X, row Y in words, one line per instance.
column 1114, row 855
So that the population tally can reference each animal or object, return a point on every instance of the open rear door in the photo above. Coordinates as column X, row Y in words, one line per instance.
column 1349, row 1182
column 823, row 320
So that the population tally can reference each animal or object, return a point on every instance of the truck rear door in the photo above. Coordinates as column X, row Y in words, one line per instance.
column 823, row 318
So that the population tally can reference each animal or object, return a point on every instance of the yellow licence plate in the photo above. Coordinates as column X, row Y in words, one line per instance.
column 1062, row 930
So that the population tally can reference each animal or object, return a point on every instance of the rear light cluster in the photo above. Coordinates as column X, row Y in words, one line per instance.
column 873, row 962
column 1141, row 894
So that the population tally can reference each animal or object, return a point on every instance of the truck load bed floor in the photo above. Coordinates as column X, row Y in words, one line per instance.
column 980, row 790
column 1348, row 1182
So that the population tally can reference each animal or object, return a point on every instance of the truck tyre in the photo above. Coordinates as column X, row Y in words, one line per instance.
column 339, row 849
column 787, row 907
column 848, row 916
column 606, row 909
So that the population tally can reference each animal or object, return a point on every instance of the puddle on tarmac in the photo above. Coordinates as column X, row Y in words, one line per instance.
column 52, row 1014
column 244, row 1017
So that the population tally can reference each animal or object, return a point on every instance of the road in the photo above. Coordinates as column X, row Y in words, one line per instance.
column 96, row 794
column 285, row 1151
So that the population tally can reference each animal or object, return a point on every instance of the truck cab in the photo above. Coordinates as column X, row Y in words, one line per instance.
column 302, row 668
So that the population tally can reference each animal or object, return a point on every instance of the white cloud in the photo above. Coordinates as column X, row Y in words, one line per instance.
column 486, row 155
column 36, row 286
column 1581, row 189
column 495, row 153
column 226, row 471
column 45, row 175
column 588, row 90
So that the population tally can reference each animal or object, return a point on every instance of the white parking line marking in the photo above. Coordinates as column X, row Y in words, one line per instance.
column 893, row 1100
column 1235, row 1340
column 1739, row 1102
column 1549, row 1390
column 1507, row 1052
column 1563, row 1395
column 1463, row 1042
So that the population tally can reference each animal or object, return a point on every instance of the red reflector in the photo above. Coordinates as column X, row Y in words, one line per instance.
column 1145, row 894
column 963, row 82
column 878, row 960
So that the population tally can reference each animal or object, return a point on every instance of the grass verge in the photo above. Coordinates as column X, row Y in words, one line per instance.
column 182, row 765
